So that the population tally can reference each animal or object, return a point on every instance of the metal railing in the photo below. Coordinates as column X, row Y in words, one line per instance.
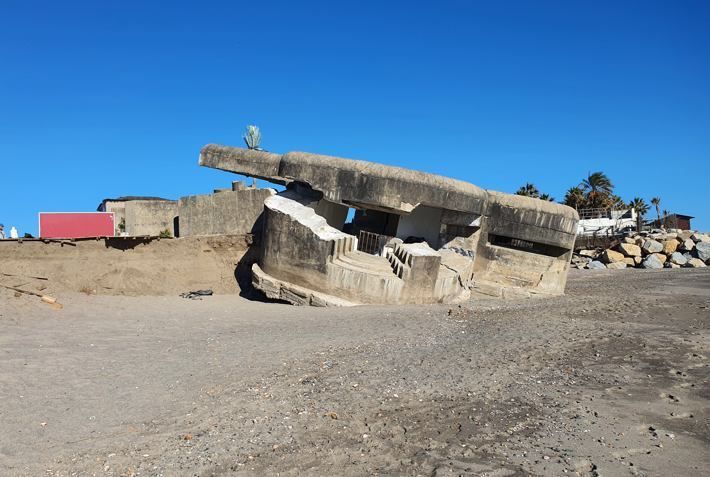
column 372, row 243
column 605, row 213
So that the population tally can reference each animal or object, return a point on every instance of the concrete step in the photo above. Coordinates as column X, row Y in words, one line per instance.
column 356, row 261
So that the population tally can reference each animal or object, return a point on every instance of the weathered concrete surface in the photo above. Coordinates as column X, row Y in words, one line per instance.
column 252, row 163
column 301, row 249
column 146, row 224
column 150, row 217
column 222, row 213
column 350, row 181
column 504, row 241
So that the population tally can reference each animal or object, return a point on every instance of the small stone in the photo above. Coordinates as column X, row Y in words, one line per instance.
column 590, row 253
column 596, row 265
column 616, row 265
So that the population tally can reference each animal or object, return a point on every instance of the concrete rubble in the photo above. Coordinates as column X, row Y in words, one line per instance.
column 670, row 249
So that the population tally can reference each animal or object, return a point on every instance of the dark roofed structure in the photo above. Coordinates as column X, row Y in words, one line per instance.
column 673, row 221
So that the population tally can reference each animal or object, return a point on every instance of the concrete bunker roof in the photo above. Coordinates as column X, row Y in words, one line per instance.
column 364, row 183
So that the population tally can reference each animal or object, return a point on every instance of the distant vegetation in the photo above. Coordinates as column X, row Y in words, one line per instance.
column 596, row 191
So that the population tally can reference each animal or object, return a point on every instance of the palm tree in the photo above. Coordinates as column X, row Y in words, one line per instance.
column 574, row 197
column 641, row 208
column 528, row 190
column 597, row 182
column 617, row 202
column 598, row 188
column 656, row 201
column 546, row 197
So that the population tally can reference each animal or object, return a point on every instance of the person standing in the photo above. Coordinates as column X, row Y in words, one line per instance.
column 13, row 233
column 2, row 232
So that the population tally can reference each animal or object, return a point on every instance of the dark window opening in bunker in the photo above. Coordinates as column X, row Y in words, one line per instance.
column 526, row 245
column 373, row 228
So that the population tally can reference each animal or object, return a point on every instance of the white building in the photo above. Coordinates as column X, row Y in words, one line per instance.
column 605, row 221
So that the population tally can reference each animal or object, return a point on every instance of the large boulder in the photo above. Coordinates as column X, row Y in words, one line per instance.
column 695, row 263
column 670, row 246
column 638, row 260
column 687, row 245
column 629, row 250
column 678, row 258
column 616, row 265
column 698, row 237
column 702, row 250
column 596, row 265
column 610, row 256
column 684, row 235
column 651, row 246
column 652, row 261
column 593, row 253
column 661, row 257
column 630, row 261
column 631, row 240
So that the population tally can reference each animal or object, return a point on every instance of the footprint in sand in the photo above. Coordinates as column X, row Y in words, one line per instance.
column 669, row 398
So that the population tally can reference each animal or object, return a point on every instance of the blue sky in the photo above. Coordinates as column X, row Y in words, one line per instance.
column 101, row 99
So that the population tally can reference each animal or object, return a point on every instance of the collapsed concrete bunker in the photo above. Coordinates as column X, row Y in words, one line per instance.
column 347, row 232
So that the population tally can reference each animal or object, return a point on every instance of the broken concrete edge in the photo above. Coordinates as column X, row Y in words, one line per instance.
column 306, row 216
column 276, row 289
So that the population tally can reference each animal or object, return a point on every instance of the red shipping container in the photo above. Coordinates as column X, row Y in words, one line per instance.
column 76, row 224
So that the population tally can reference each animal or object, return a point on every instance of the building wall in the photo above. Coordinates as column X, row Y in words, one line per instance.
column 222, row 213
column 422, row 222
column 150, row 217
column 334, row 214
column 119, row 212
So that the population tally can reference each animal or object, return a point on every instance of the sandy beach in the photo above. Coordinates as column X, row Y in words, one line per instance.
column 610, row 379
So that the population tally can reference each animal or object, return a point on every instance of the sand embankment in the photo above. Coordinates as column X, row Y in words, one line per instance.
column 125, row 266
